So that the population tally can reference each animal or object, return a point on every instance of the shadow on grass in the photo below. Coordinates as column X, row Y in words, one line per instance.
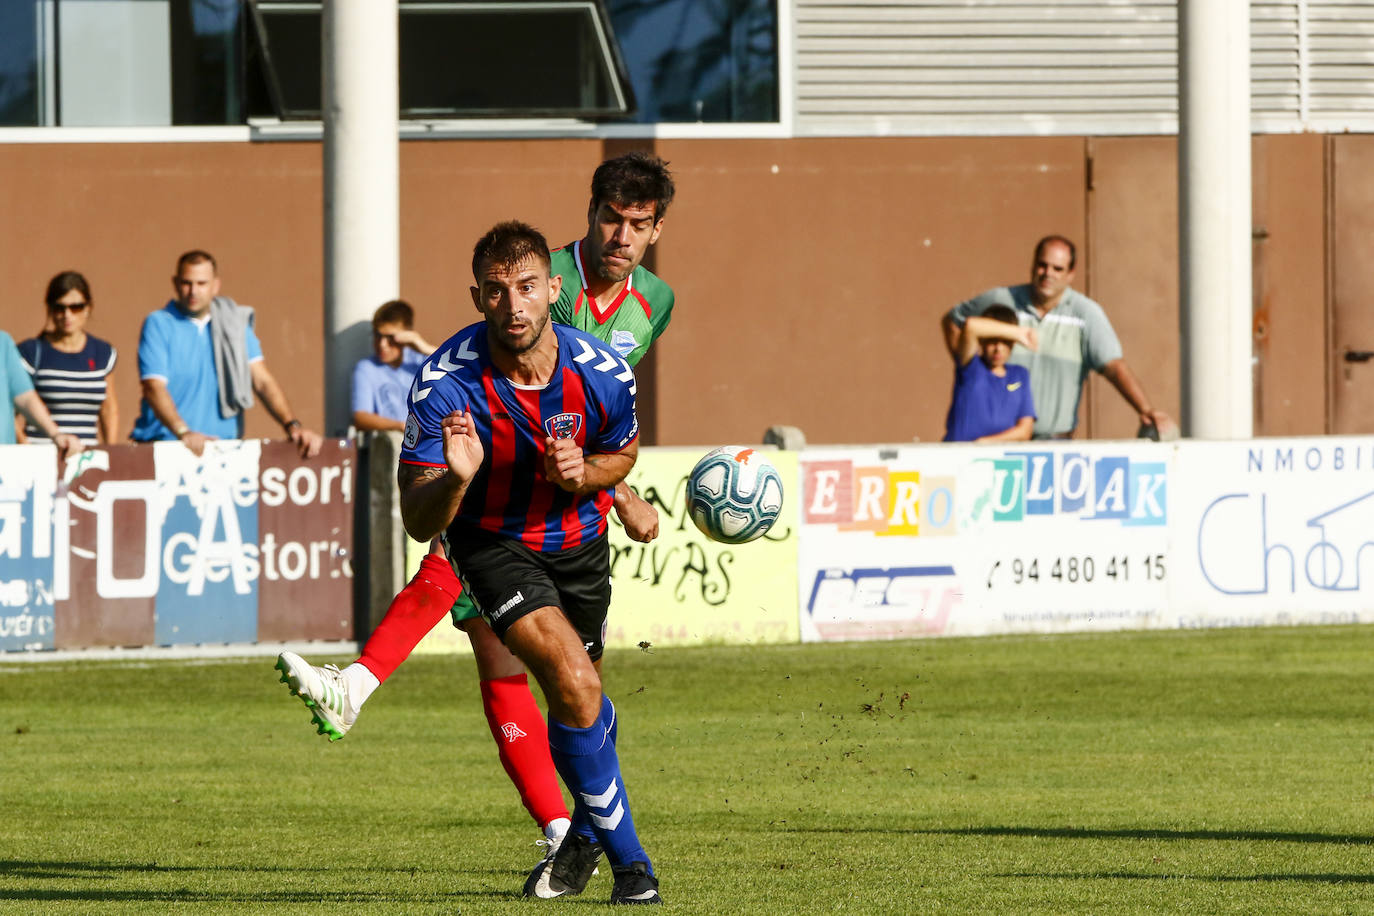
column 1320, row 878
column 1092, row 833
column 15, row 870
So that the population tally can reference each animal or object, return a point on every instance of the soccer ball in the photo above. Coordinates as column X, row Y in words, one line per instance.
column 734, row 494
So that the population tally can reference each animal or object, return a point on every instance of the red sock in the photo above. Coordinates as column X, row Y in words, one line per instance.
column 413, row 613
column 522, row 738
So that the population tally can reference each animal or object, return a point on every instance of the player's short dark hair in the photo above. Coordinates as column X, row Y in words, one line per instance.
column 196, row 256
column 397, row 311
column 64, row 283
column 1052, row 239
column 507, row 244
column 1003, row 313
column 634, row 178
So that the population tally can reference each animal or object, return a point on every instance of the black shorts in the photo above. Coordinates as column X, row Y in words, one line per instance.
column 509, row 580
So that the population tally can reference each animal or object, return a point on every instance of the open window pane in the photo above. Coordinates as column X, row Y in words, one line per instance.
column 552, row 58
column 207, row 62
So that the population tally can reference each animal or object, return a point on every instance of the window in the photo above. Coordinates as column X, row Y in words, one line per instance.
column 76, row 63
column 83, row 63
column 700, row 60
column 509, row 58
column 19, row 77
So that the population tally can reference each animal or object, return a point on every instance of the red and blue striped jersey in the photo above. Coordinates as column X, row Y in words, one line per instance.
column 589, row 398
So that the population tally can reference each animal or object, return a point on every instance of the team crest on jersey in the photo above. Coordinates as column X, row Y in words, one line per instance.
column 623, row 342
column 564, row 426
column 412, row 431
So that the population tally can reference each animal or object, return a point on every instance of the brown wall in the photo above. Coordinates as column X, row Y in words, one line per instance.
column 810, row 274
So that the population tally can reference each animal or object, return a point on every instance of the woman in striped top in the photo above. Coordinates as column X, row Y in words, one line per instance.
column 71, row 368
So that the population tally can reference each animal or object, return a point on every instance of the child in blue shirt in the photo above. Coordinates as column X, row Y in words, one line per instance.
column 992, row 400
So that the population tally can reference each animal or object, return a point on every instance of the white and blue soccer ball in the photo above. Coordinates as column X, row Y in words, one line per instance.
column 734, row 494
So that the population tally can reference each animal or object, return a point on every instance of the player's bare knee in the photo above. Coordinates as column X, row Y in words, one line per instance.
column 581, row 709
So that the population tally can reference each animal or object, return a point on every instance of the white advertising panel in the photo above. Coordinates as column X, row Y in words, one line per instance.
column 969, row 540
column 1274, row 531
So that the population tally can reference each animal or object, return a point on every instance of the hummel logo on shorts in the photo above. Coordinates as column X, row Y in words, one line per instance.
column 515, row 599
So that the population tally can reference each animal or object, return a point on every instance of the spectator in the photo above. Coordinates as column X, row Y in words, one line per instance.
column 16, row 388
column 1075, row 337
column 70, row 368
column 381, row 382
column 200, row 364
column 992, row 401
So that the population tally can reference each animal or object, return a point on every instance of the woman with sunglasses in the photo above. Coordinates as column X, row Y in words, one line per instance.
column 71, row 368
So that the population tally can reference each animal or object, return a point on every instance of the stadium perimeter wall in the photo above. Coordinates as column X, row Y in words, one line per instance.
column 136, row 546
column 810, row 273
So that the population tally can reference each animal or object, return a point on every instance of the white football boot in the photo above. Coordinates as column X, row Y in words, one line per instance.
column 324, row 691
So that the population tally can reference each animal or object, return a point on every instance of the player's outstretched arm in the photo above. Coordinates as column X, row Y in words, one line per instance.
column 430, row 496
column 567, row 467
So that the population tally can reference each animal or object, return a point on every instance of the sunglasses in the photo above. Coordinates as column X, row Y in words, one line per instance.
column 76, row 307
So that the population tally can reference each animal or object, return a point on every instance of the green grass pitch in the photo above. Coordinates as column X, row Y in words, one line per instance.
column 1183, row 772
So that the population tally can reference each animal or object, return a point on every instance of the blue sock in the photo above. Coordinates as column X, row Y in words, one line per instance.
column 586, row 759
column 581, row 820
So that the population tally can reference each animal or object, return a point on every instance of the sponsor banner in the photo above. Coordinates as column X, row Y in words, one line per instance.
column 915, row 541
column 29, row 560
column 142, row 545
column 115, row 549
column 1274, row 531
column 208, row 587
column 305, row 524
column 685, row 589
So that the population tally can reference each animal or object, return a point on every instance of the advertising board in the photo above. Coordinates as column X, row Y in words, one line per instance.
column 150, row 545
column 1275, row 531
column 683, row 588
column 908, row 541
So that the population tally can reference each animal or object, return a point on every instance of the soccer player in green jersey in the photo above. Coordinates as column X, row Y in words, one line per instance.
column 606, row 292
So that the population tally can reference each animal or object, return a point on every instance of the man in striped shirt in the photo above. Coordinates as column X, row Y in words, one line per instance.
column 519, row 430
column 603, row 290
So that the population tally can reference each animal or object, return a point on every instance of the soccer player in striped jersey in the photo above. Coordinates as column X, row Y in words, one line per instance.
column 604, row 290
column 519, row 431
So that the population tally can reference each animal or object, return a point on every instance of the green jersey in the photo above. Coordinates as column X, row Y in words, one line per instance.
column 629, row 323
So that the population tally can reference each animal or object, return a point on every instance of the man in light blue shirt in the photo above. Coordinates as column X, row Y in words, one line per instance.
column 1075, row 338
column 182, row 387
column 381, row 383
column 16, row 390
